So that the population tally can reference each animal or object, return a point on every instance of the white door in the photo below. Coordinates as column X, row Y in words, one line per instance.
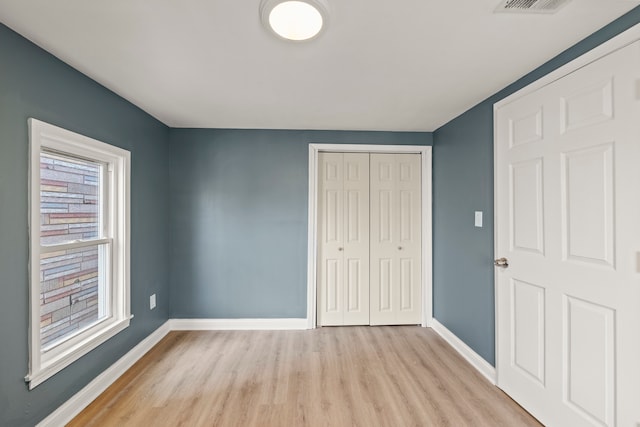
column 396, row 272
column 568, row 222
column 343, row 234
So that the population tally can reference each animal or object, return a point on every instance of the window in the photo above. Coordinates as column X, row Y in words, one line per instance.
column 79, row 246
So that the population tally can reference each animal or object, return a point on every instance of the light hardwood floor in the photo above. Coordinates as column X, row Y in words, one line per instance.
column 347, row 376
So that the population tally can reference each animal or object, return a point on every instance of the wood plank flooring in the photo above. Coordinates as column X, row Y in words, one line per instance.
column 346, row 376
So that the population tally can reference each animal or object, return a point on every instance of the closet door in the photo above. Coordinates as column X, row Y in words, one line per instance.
column 396, row 276
column 343, row 233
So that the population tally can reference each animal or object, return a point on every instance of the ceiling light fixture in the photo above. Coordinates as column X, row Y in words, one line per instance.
column 295, row 20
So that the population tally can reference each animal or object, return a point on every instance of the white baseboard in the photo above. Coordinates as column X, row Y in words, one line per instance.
column 484, row 367
column 237, row 324
column 91, row 391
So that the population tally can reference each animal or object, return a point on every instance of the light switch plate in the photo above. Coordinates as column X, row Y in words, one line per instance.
column 478, row 219
column 152, row 302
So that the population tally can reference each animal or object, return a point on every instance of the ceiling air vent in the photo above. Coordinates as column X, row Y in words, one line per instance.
column 531, row 6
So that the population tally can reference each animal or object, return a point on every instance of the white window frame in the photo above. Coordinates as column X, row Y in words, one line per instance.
column 43, row 137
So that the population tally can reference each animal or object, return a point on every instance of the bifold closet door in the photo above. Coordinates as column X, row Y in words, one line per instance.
column 396, row 246
column 343, row 233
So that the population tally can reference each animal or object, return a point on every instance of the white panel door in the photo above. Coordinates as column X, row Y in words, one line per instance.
column 396, row 276
column 568, row 221
column 343, row 234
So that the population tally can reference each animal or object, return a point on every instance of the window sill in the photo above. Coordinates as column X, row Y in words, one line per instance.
column 52, row 367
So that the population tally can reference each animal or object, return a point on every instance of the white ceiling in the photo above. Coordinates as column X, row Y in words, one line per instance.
column 404, row 65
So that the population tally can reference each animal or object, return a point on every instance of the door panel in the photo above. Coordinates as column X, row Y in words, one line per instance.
column 588, row 106
column 590, row 360
column 343, row 230
column 356, row 245
column 526, row 214
column 331, row 216
column 587, row 202
column 354, row 285
column 567, row 209
column 396, row 281
column 353, row 216
column 527, row 127
column 406, row 284
column 331, row 237
column 333, row 276
column 385, row 215
column 385, row 280
column 528, row 329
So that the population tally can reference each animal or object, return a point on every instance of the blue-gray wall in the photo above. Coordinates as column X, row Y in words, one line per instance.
column 239, row 219
column 463, row 183
column 35, row 84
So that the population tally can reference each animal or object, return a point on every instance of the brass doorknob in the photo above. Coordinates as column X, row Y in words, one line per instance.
column 399, row 248
column 501, row 262
column 339, row 249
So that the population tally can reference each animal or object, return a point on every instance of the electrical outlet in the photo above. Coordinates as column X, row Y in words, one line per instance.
column 152, row 302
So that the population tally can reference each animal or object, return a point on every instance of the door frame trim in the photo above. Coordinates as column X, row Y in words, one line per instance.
column 618, row 42
column 425, row 152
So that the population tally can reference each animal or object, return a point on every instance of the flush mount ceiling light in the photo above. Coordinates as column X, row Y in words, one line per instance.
column 296, row 20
